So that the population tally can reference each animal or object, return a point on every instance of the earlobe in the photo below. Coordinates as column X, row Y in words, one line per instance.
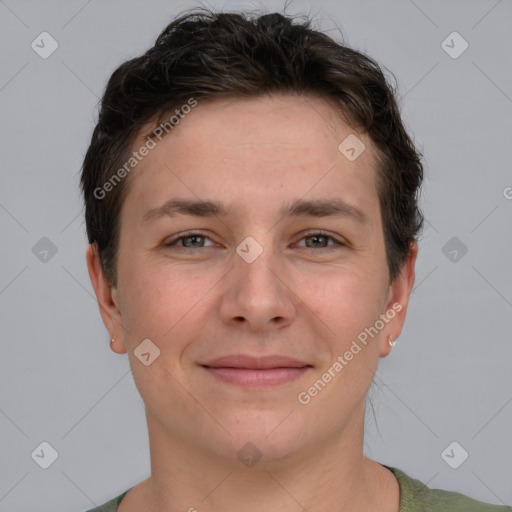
column 119, row 348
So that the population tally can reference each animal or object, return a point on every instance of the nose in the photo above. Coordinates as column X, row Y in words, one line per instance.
column 258, row 295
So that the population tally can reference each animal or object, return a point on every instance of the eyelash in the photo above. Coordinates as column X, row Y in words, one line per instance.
column 313, row 233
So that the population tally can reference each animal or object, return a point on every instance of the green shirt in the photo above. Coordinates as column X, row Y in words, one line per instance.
column 414, row 497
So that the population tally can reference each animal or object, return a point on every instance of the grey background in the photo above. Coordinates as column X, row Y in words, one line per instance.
column 448, row 377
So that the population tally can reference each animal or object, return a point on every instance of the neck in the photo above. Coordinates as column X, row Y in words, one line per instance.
column 331, row 475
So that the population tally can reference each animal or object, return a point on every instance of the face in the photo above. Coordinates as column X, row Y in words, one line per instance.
column 289, row 264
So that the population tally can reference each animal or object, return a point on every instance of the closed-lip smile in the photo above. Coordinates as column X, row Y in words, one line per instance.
column 256, row 371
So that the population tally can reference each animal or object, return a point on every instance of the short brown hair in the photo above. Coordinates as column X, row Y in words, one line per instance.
column 205, row 54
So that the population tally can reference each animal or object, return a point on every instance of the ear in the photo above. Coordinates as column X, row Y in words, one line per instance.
column 398, row 300
column 107, row 299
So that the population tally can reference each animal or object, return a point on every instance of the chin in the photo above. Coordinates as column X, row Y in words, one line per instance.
column 264, row 435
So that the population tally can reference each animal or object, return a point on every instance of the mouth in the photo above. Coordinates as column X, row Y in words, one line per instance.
column 256, row 372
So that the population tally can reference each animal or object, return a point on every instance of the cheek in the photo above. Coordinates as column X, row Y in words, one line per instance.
column 347, row 300
column 163, row 302
column 157, row 308
column 154, row 302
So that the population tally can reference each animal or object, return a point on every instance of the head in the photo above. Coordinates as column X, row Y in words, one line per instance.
column 251, row 113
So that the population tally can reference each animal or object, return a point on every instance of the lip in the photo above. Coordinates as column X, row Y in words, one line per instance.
column 256, row 372
column 255, row 363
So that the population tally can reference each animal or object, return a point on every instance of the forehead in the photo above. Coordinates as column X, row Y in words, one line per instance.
column 278, row 147
column 250, row 122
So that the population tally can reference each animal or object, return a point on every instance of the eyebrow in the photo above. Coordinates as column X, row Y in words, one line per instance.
column 298, row 208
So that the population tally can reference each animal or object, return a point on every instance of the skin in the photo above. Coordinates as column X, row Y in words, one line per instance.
column 198, row 300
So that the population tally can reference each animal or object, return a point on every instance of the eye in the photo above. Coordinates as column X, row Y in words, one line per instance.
column 189, row 241
column 196, row 240
column 319, row 239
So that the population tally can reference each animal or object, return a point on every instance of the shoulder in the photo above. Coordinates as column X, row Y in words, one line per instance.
column 415, row 496
column 109, row 506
